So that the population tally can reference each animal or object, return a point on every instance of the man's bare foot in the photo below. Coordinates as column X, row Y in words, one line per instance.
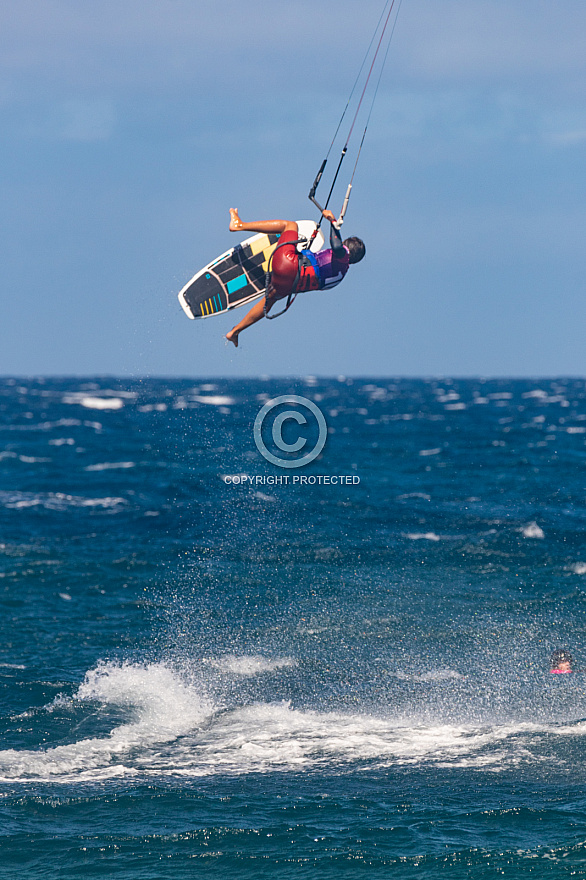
column 232, row 336
column 235, row 221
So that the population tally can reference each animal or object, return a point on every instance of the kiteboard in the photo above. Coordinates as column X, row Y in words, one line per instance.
column 238, row 276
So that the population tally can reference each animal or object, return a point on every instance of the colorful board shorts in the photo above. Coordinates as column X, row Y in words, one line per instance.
column 285, row 265
column 287, row 268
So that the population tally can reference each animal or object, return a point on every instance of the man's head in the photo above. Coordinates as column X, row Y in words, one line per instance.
column 562, row 660
column 355, row 248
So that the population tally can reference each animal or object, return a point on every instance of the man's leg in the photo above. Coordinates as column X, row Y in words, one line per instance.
column 269, row 226
column 275, row 227
column 255, row 314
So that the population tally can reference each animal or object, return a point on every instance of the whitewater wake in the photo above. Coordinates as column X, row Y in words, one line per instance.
column 172, row 728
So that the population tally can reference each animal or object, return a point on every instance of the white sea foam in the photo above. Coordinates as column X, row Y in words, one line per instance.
column 60, row 702
column 435, row 451
column 26, row 459
column 578, row 567
column 89, row 402
column 532, row 530
column 173, row 730
column 422, row 536
column 49, row 426
column 215, row 399
column 127, row 395
column 376, row 393
column 537, row 393
column 162, row 706
column 544, row 397
column 248, row 665
column 55, row 501
column 110, row 466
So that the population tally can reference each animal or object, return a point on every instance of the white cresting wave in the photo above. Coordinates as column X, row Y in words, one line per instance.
column 110, row 466
column 90, row 402
column 161, row 705
column 174, row 730
column 56, row 501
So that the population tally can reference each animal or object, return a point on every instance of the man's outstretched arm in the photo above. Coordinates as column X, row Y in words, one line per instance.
column 335, row 237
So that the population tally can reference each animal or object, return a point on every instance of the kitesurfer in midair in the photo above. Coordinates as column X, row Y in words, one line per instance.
column 295, row 272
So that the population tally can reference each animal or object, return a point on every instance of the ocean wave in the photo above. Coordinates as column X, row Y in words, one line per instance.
column 175, row 730
column 153, row 407
column 110, row 466
column 55, row 501
column 162, row 705
column 532, row 530
column 26, row 459
column 215, row 399
column 422, row 536
column 89, row 402
column 50, row 426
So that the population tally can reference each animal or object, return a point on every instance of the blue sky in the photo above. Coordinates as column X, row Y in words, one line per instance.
column 129, row 127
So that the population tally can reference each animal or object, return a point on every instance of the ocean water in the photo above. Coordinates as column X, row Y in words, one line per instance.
column 208, row 671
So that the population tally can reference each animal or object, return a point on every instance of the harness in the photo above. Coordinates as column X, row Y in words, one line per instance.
column 306, row 259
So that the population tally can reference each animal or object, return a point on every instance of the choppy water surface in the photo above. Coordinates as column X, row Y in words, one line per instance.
column 198, row 676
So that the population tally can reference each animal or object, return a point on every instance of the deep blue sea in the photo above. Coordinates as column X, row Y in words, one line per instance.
column 209, row 670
